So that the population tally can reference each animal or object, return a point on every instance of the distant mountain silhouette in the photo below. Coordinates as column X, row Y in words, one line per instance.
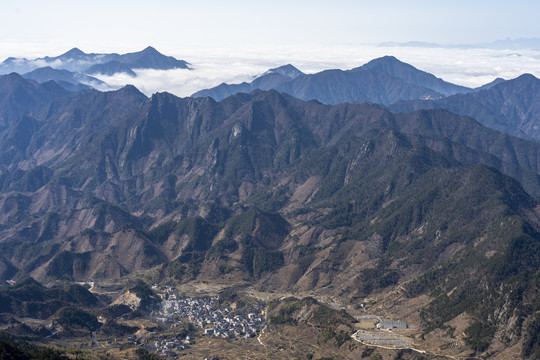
column 490, row 84
column 110, row 68
column 288, row 71
column 68, row 80
column 383, row 81
column 73, row 54
column 150, row 58
column 272, row 79
column 411, row 75
column 76, row 60
column 501, row 44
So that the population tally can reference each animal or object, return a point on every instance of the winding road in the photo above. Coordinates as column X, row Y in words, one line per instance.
column 416, row 350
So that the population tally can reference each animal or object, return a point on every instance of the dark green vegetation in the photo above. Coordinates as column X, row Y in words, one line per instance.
column 28, row 298
column 67, row 307
column 145, row 355
column 253, row 234
column 33, row 312
column 10, row 350
column 13, row 349
column 71, row 317
column 350, row 201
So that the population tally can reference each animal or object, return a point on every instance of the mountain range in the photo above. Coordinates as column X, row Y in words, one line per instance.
column 510, row 106
column 77, row 60
column 73, row 69
column 506, row 105
column 383, row 81
column 412, row 205
column 70, row 81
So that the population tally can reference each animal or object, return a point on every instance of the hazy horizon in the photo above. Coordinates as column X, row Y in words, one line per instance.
column 235, row 41
column 100, row 24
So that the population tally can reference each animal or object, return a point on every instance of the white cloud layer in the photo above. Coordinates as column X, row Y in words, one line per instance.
column 212, row 65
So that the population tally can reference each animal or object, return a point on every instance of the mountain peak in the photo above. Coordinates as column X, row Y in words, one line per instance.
column 9, row 60
column 150, row 58
column 384, row 61
column 13, row 77
column 519, row 82
column 491, row 84
column 44, row 69
column 387, row 58
column 408, row 73
column 150, row 50
column 131, row 89
column 527, row 77
column 73, row 53
column 286, row 70
column 523, row 79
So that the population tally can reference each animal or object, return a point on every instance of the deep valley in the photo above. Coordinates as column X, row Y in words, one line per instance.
column 310, row 209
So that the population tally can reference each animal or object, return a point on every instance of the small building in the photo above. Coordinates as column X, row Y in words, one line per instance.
column 392, row 324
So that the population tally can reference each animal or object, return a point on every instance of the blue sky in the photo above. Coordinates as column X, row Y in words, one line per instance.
column 104, row 25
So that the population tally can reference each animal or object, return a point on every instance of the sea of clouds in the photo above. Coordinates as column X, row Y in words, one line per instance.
column 212, row 65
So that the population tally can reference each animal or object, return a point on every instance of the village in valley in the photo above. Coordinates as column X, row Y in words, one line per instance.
column 206, row 314
column 193, row 318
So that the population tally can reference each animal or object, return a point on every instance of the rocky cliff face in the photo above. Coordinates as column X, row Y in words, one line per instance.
column 347, row 200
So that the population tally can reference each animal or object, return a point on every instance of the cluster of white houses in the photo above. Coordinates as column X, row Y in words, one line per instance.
column 167, row 347
column 207, row 315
